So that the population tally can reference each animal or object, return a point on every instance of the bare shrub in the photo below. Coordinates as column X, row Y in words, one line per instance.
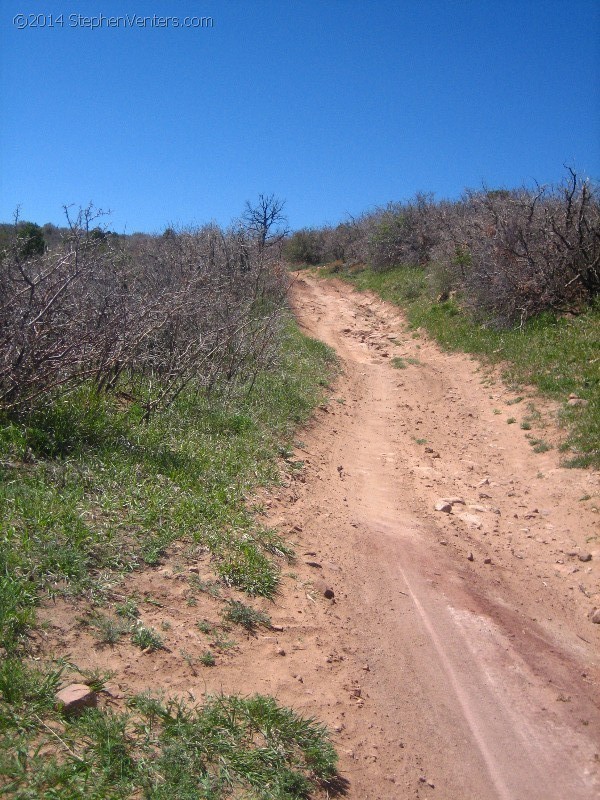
column 148, row 314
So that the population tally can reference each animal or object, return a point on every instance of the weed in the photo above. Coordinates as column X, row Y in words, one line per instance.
column 146, row 638
column 511, row 421
column 539, row 445
column 207, row 659
column 223, row 643
column 398, row 362
column 497, row 411
column 106, row 629
column 128, row 609
column 526, row 425
column 514, row 401
column 205, row 627
column 208, row 587
column 96, row 678
column 246, row 616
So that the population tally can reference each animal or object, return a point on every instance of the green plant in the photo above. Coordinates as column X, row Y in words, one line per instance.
column 511, row 421
column 207, row 659
column 146, row 638
column 398, row 362
column 107, row 629
column 249, row 618
column 128, row 609
column 539, row 445
column 205, row 627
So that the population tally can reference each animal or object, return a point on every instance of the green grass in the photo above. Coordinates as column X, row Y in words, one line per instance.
column 90, row 492
column 246, row 616
column 558, row 355
column 157, row 749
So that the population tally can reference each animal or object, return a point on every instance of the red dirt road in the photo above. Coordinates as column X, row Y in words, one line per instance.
column 483, row 677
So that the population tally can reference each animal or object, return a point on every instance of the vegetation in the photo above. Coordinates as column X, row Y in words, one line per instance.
column 156, row 748
column 146, row 388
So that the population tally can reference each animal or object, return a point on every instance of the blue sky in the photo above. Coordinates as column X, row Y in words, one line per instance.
column 335, row 106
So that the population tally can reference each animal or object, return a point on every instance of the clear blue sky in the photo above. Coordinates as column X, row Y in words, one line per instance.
column 335, row 105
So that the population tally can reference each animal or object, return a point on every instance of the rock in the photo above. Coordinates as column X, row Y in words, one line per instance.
column 442, row 505
column 314, row 564
column 444, row 542
column 280, row 651
column 75, row 698
column 194, row 570
column 577, row 401
column 278, row 628
column 325, row 589
column 454, row 501
column 585, row 557
column 470, row 557
column 433, row 453
column 595, row 617
column 471, row 519
column 484, row 482
column 487, row 560
column 480, row 509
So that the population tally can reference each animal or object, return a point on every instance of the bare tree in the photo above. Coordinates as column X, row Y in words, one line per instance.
column 265, row 221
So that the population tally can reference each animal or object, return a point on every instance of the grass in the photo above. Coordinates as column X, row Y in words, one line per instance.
column 156, row 749
column 249, row 618
column 146, row 638
column 90, row 492
column 558, row 355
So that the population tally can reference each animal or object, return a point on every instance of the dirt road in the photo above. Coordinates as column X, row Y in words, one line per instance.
column 457, row 659
column 480, row 675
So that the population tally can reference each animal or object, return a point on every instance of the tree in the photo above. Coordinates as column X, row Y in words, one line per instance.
column 265, row 221
column 31, row 239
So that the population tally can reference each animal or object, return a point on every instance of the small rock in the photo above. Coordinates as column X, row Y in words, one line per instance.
column 471, row 519
column 280, row 651
column 487, row 560
column 278, row 628
column 314, row 564
column 484, row 482
column 442, row 505
column 444, row 542
column 480, row 509
column 324, row 589
column 75, row 697
column 577, row 401
column 470, row 557
column 596, row 616
column 194, row 570
column 454, row 501
column 585, row 557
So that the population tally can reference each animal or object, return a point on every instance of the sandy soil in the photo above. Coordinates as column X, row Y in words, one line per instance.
column 457, row 659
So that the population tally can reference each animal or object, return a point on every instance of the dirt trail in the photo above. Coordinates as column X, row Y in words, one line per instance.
column 457, row 659
column 482, row 677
